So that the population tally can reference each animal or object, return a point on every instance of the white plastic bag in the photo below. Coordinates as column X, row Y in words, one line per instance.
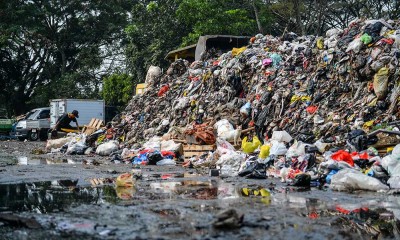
column 321, row 146
column 355, row 46
column 153, row 143
column 349, row 179
column 223, row 126
column 277, row 148
column 281, row 136
column 297, row 149
column 107, row 148
column 170, row 145
column 166, row 161
column 152, row 74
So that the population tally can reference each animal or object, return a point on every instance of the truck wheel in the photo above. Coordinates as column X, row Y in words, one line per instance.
column 33, row 136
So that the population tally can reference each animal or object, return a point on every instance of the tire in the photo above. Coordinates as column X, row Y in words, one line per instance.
column 33, row 136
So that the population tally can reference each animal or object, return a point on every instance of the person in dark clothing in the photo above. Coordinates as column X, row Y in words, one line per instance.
column 65, row 120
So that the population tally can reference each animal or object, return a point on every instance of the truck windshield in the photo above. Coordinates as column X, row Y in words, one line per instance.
column 32, row 115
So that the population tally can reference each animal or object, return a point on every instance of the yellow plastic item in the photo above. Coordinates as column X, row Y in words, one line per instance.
column 68, row 130
column 237, row 51
column 140, row 87
column 320, row 43
column 296, row 98
column 125, row 180
column 264, row 151
column 389, row 149
column 368, row 124
column 249, row 147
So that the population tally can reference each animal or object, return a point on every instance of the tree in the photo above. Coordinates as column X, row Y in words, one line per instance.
column 117, row 89
column 153, row 31
column 54, row 48
column 216, row 17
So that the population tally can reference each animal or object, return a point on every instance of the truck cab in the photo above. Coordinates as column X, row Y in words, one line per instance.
column 35, row 125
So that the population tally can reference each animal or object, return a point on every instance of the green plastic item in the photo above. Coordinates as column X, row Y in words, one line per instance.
column 366, row 39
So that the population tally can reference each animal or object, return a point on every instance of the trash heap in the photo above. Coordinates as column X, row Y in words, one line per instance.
column 301, row 108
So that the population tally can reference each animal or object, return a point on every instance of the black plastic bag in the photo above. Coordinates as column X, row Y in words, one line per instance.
column 254, row 170
column 154, row 157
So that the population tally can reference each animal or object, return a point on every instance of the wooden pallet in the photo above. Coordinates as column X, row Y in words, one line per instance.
column 93, row 126
column 196, row 150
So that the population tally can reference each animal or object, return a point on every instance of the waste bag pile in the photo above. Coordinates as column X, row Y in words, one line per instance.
column 301, row 108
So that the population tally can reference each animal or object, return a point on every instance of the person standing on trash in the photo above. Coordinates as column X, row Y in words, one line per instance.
column 65, row 120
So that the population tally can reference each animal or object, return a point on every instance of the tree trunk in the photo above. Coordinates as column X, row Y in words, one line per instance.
column 297, row 13
column 260, row 28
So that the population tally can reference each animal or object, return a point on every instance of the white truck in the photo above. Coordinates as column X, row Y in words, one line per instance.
column 87, row 109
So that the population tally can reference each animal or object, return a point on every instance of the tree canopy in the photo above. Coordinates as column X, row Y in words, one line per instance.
column 57, row 48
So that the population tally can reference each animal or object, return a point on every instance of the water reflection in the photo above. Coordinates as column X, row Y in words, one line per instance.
column 50, row 196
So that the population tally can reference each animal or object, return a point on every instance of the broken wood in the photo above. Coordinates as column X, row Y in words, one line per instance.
column 248, row 130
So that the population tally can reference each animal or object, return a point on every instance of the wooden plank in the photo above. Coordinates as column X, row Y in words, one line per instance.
column 198, row 147
column 99, row 124
column 91, row 121
column 94, row 123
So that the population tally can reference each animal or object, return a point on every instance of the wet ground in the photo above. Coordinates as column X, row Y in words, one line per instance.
column 52, row 196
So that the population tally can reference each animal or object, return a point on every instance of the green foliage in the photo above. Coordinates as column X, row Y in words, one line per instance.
column 215, row 17
column 153, row 32
column 56, row 48
column 117, row 89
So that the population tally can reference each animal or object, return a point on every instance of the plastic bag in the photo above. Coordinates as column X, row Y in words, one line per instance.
column 394, row 182
column 152, row 74
column 381, row 83
column 321, row 146
column 249, row 147
column 223, row 126
column 320, row 43
column 277, row 148
column 107, row 148
column 166, row 161
column 245, row 109
column 349, row 179
column 355, row 46
column 125, row 180
column 366, row 39
column 264, row 151
column 170, row 145
column 344, row 156
column 297, row 149
column 281, row 136
column 237, row 51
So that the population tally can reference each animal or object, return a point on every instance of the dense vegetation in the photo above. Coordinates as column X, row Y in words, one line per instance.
column 69, row 49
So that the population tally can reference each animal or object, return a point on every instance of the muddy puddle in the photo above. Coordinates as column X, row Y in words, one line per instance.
column 184, row 205
column 6, row 160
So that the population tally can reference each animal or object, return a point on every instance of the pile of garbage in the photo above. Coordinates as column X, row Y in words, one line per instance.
column 302, row 108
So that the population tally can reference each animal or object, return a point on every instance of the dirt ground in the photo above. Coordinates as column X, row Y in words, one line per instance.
column 52, row 196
